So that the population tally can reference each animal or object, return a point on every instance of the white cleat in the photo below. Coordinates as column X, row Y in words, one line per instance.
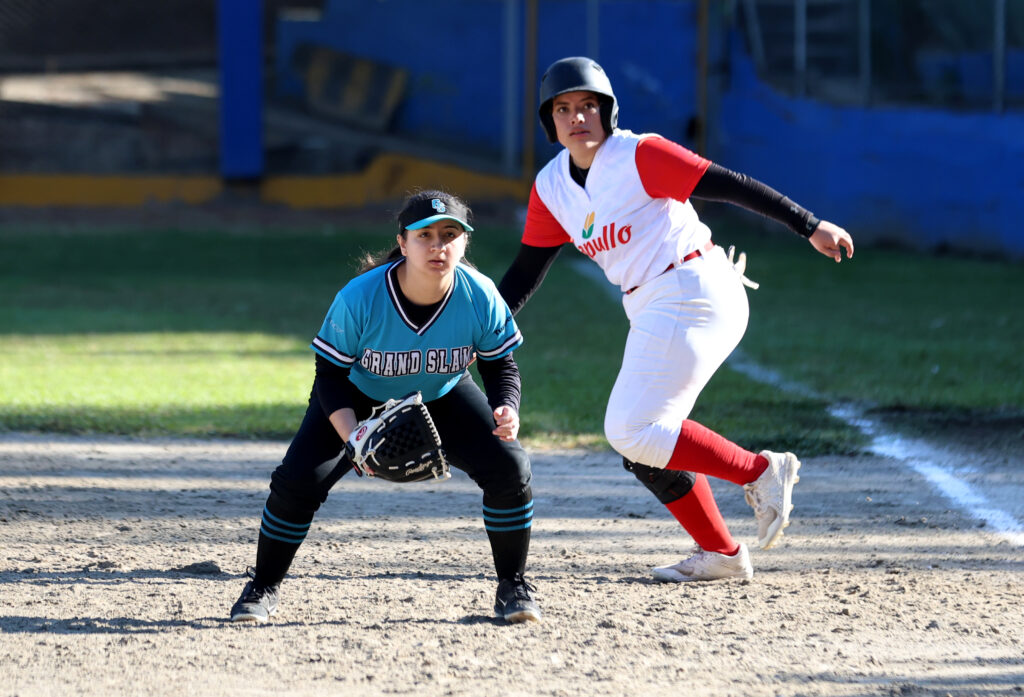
column 771, row 496
column 707, row 566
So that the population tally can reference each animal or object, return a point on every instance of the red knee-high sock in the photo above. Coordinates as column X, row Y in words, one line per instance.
column 699, row 449
column 698, row 513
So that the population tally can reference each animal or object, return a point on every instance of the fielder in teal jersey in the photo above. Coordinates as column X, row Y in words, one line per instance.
column 390, row 355
column 413, row 320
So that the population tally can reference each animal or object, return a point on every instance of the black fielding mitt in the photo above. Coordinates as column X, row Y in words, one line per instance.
column 399, row 443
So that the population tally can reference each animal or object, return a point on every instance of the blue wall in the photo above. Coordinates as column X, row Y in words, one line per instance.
column 923, row 177
column 455, row 53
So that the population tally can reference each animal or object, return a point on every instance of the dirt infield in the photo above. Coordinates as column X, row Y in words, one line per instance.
column 120, row 559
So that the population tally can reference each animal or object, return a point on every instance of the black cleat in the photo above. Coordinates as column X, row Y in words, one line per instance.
column 256, row 604
column 514, row 602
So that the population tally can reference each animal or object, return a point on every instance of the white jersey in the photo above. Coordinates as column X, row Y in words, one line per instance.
column 632, row 236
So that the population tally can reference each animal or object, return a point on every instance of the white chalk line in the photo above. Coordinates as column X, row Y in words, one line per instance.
column 915, row 454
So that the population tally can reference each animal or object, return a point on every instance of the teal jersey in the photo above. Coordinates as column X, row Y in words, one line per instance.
column 389, row 356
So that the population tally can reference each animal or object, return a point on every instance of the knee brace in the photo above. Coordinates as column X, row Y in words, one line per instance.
column 666, row 485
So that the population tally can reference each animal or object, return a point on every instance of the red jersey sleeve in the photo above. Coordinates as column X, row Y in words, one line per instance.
column 542, row 230
column 667, row 169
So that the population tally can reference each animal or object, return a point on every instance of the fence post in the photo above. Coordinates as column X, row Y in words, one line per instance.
column 754, row 35
column 999, row 55
column 864, row 47
column 800, row 47
column 240, row 49
column 529, row 90
column 593, row 29
column 511, row 126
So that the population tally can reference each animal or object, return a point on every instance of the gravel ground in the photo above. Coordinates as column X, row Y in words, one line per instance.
column 120, row 559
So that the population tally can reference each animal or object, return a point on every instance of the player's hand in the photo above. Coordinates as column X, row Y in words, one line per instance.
column 829, row 239
column 507, row 421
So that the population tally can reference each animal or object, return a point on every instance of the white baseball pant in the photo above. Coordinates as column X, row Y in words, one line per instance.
column 683, row 324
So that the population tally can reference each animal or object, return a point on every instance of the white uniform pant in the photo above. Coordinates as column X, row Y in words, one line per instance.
column 682, row 326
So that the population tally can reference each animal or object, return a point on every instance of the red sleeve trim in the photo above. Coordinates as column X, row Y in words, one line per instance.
column 667, row 169
column 542, row 230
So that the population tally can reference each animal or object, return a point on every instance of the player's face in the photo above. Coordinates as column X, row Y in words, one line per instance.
column 436, row 248
column 577, row 117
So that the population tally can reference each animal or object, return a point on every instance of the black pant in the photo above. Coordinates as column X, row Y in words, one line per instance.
column 464, row 420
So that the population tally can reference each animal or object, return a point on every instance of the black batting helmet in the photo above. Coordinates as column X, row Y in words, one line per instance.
column 576, row 74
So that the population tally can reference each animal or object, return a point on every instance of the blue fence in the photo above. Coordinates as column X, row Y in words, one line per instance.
column 465, row 61
column 927, row 177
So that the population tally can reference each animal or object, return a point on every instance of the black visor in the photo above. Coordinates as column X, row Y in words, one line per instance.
column 429, row 210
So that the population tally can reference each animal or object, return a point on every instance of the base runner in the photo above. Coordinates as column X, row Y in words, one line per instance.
column 622, row 199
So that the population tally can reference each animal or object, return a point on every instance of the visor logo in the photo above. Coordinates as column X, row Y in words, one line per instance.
column 438, row 205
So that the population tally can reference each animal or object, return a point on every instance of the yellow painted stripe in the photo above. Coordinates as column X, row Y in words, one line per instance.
column 95, row 190
column 388, row 178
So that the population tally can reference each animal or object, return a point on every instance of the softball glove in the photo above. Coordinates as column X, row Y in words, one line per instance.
column 398, row 443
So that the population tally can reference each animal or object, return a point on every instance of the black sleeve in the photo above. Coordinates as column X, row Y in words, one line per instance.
column 721, row 184
column 332, row 386
column 526, row 274
column 501, row 381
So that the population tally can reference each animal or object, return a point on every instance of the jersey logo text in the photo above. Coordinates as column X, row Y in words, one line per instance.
column 610, row 239
column 391, row 363
column 454, row 360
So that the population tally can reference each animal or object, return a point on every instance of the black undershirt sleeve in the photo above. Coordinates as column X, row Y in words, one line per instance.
column 721, row 184
column 501, row 382
column 525, row 275
column 333, row 389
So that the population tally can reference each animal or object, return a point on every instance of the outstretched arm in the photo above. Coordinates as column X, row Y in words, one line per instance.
column 669, row 170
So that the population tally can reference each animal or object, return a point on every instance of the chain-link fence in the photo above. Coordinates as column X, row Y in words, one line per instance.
column 946, row 53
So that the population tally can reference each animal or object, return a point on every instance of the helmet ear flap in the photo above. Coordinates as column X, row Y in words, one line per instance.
column 548, row 122
column 609, row 114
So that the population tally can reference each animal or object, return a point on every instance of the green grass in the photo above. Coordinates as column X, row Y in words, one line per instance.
column 893, row 328
column 205, row 332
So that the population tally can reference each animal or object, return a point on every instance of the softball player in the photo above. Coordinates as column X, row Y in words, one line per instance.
column 622, row 200
column 412, row 321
